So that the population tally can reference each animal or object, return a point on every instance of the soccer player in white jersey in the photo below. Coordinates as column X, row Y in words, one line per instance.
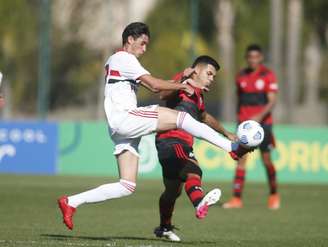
column 127, row 122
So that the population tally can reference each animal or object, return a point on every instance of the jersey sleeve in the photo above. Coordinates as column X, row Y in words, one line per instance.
column 131, row 67
column 272, row 84
column 178, row 76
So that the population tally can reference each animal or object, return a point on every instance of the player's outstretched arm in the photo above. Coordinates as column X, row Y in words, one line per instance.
column 167, row 94
column 157, row 85
column 211, row 121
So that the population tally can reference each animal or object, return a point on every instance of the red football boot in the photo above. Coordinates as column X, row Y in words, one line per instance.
column 67, row 211
column 234, row 202
column 274, row 201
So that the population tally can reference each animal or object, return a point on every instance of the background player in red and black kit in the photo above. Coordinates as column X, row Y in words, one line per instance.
column 257, row 94
column 179, row 165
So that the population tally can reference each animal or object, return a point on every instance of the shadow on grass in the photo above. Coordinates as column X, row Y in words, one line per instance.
column 112, row 238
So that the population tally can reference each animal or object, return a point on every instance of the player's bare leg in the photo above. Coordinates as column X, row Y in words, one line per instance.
column 238, row 185
column 167, row 200
column 128, row 166
column 274, row 198
column 128, row 169
column 171, row 119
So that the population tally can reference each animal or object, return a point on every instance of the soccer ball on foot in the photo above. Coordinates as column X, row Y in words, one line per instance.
column 250, row 133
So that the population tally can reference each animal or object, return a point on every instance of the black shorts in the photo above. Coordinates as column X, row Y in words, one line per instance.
column 173, row 155
column 269, row 141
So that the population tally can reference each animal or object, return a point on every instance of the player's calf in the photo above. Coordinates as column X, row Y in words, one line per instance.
column 104, row 192
column 167, row 201
column 193, row 188
column 191, row 174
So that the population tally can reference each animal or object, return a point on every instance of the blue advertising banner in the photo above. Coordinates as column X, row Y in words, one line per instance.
column 28, row 147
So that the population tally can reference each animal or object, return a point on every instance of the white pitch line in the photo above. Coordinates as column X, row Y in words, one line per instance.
column 62, row 243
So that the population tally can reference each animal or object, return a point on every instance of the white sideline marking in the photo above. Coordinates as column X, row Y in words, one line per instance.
column 62, row 243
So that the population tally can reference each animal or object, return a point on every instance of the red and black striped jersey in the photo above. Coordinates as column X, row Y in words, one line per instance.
column 253, row 87
column 194, row 105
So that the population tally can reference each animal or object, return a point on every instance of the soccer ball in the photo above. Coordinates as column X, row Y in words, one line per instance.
column 250, row 133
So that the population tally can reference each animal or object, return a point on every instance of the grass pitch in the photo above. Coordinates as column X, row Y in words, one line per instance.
column 29, row 216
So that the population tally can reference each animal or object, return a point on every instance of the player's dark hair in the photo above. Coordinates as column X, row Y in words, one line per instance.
column 254, row 47
column 204, row 59
column 135, row 29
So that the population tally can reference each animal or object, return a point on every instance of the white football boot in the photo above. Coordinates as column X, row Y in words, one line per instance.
column 209, row 199
column 167, row 232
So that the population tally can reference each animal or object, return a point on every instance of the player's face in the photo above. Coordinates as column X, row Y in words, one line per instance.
column 254, row 59
column 138, row 46
column 205, row 74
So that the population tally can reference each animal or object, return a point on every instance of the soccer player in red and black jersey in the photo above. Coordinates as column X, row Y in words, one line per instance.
column 175, row 152
column 257, row 95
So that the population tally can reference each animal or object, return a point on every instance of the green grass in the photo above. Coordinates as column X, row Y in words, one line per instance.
column 29, row 216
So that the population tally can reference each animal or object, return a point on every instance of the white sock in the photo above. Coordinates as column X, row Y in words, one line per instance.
column 102, row 193
column 200, row 130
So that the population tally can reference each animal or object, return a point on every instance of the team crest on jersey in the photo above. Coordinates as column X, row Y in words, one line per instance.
column 259, row 84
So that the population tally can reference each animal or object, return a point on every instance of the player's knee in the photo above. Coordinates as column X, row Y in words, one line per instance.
column 170, row 195
column 128, row 188
column 188, row 169
column 167, row 118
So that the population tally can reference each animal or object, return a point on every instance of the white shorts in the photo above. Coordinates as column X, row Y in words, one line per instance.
column 130, row 126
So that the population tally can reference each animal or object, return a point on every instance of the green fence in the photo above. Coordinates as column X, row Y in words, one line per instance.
column 301, row 154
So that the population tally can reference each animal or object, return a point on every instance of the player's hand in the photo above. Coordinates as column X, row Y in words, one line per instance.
column 188, row 72
column 188, row 89
column 195, row 84
column 257, row 118
column 231, row 136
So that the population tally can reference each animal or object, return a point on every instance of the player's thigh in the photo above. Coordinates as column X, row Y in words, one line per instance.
column 128, row 165
column 138, row 122
column 167, row 119
column 177, row 159
column 169, row 158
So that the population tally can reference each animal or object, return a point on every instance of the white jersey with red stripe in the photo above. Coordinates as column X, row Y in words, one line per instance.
column 127, row 122
column 122, row 72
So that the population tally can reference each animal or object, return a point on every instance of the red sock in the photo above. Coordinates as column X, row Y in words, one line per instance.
column 238, row 183
column 166, row 208
column 193, row 188
column 271, row 173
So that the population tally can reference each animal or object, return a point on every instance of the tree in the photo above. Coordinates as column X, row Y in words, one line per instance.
column 294, row 25
column 225, row 22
